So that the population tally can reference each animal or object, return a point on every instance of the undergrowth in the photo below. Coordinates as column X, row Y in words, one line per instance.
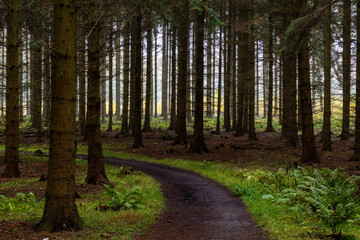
column 292, row 204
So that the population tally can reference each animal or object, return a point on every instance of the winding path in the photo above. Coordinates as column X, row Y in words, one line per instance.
column 197, row 208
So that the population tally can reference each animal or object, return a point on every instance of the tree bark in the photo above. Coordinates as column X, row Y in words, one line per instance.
column 345, row 133
column 82, row 83
column 60, row 211
column 269, row 127
column 326, row 134
column 289, row 123
column 208, row 75
column 183, row 39
column 96, row 172
column 199, row 142
column 164, row 75
column 126, row 70
column 173, row 81
column 356, row 155
column 12, row 92
column 36, row 78
column 309, row 153
column 111, row 54
column 137, row 70
column 251, row 87
column 149, row 70
column 118, row 70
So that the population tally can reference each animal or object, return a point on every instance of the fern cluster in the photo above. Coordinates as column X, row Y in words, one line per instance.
column 121, row 200
column 327, row 197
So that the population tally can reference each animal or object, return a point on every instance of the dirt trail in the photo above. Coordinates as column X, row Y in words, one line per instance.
column 196, row 208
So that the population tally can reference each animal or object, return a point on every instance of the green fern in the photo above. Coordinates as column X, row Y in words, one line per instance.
column 122, row 200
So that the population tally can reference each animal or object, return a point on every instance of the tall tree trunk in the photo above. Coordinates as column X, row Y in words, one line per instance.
column 12, row 92
column 149, row 70
column 103, row 72
column 156, row 75
column 36, row 96
column 137, row 70
column 60, row 211
column 199, row 142
column 111, row 53
column 208, row 75
column 251, row 86
column 47, row 80
column 326, row 134
column 265, row 77
column 220, row 75
column 276, row 97
column 257, row 80
column 183, row 39
column 243, row 64
column 173, row 80
column 269, row 127
column 21, row 77
column 118, row 70
column 3, row 75
column 309, row 153
column 188, row 82
column 345, row 134
column 227, row 83
column 356, row 155
column 164, row 106
column 27, row 43
column 126, row 74
column 289, row 126
column 82, row 83
column 96, row 172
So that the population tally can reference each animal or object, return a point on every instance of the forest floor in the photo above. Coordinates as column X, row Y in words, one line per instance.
column 270, row 153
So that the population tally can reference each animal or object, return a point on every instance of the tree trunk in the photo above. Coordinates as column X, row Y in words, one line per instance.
column 164, row 75
column 356, row 155
column 345, row 134
column 269, row 127
column 82, row 83
column 309, row 153
column 60, row 211
column 21, row 76
column 173, row 81
column 156, row 75
column 96, row 172
column 243, row 64
column 36, row 96
column 326, row 134
column 111, row 53
column 289, row 126
column 208, row 75
column 126, row 74
column 220, row 76
column 103, row 72
column 47, row 80
column 183, row 39
column 227, row 83
column 199, row 143
column 12, row 92
column 137, row 70
column 118, row 70
column 251, row 86
column 149, row 69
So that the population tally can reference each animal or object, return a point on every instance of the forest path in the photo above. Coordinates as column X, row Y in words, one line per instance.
column 197, row 208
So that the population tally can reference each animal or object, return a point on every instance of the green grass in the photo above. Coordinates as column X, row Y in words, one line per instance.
column 278, row 219
column 122, row 224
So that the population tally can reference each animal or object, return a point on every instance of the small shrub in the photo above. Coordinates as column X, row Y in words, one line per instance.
column 121, row 200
